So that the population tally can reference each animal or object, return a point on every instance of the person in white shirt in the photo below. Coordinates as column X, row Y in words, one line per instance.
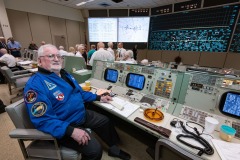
column 71, row 51
column 120, row 51
column 80, row 51
column 7, row 58
column 62, row 52
column 101, row 54
column 110, row 46
column 128, row 57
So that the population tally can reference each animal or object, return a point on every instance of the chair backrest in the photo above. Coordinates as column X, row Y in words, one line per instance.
column 7, row 72
column 165, row 150
column 18, row 114
column 71, row 62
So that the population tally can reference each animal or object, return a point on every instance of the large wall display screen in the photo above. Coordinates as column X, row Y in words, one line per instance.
column 200, row 30
column 102, row 29
column 133, row 29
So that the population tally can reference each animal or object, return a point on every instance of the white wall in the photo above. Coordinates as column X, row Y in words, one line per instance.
column 4, row 21
column 44, row 8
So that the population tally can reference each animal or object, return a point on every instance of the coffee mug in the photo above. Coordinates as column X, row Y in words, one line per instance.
column 87, row 83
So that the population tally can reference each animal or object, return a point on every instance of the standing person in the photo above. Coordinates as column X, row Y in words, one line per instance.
column 135, row 52
column 120, row 51
column 101, row 54
column 55, row 104
column 90, row 53
column 110, row 49
column 14, row 47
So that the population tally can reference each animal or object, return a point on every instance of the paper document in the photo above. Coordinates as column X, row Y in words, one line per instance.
column 24, row 63
column 81, row 71
column 128, row 109
column 227, row 150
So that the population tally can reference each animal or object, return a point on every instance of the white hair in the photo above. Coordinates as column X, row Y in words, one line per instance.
column 129, row 53
column 41, row 49
column 110, row 44
column 144, row 62
column 61, row 47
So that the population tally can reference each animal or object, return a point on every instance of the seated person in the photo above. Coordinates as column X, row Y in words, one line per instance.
column 71, row 51
column 144, row 62
column 8, row 59
column 55, row 103
column 62, row 51
column 14, row 47
column 33, row 46
column 128, row 57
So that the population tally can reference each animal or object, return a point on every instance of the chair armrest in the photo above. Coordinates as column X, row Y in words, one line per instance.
column 30, row 134
column 21, row 76
column 20, row 72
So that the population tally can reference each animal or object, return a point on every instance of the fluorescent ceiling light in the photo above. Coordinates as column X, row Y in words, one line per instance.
column 82, row 3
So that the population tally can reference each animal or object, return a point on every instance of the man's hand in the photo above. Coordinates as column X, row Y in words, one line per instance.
column 81, row 136
column 105, row 99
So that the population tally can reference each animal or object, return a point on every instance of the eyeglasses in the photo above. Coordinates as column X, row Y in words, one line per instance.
column 52, row 56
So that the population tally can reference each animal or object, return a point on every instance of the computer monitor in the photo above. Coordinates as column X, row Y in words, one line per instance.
column 135, row 81
column 230, row 104
column 111, row 75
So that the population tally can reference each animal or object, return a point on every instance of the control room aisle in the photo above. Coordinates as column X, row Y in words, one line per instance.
column 10, row 149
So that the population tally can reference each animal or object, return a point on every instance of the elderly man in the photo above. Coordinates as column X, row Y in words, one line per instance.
column 55, row 103
column 128, row 57
column 120, row 51
column 101, row 54
column 110, row 48
column 7, row 58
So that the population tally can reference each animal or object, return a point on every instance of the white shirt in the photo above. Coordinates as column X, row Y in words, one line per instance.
column 78, row 54
column 71, row 54
column 63, row 53
column 9, row 60
column 111, row 51
column 121, row 53
column 101, row 54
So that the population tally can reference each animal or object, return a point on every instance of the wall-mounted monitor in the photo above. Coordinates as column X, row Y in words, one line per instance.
column 102, row 29
column 111, row 75
column 133, row 29
column 135, row 81
column 230, row 104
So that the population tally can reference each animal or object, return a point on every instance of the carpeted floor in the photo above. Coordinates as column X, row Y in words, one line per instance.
column 10, row 150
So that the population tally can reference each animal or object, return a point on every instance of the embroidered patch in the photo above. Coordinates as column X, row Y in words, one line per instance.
column 38, row 109
column 50, row 86
column 30, row 96
column 59, row 95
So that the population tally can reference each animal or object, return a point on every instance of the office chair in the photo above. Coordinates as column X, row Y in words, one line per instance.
column 42, row 145
column 165, row 150
column 16, row 80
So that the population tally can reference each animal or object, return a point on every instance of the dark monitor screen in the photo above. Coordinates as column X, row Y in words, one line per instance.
column 111, row 75
column 135, row 81
column 230, row 104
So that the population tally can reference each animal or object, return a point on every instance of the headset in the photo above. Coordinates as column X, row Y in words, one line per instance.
column 196, row 136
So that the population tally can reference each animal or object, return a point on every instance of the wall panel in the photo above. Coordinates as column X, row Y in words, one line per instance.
column 20, row 27
column 211, row 59
column 189, row 58
column 232, row 61
column 73, row 33
column 58, row 31
column 169, row 56
column 40, row 28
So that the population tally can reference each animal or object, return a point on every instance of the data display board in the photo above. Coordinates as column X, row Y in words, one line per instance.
column 133, row 29
column 102, row 29
column 200, row 30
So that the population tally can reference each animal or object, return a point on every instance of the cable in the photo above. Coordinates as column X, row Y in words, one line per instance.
column 208, row 148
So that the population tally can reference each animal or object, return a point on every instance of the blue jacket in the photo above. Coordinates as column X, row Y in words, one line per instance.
column 53, row 103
